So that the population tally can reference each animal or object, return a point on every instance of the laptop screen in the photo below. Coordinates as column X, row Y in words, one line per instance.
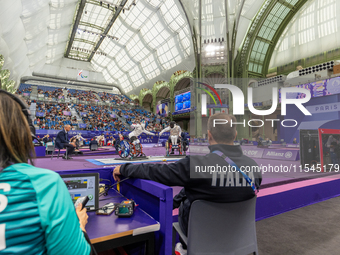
column 80, row 185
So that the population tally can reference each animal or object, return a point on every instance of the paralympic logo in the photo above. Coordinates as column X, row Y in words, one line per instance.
column 82, row 76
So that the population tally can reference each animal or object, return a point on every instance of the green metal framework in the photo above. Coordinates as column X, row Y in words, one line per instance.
column 102, row 31
column 263, row 35
column 84, row 41
column 86, row 24
column 77, row 18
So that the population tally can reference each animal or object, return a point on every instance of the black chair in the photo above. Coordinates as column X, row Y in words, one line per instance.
column 56, row 147
column 93, row 145
column 220, row 228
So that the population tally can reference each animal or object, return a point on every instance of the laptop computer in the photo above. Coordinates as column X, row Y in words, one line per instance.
column 80, row 185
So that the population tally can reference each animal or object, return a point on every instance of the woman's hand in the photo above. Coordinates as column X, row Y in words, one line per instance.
column 82, row 216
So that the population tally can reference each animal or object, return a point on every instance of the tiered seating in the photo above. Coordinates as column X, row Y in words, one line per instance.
column 24, row 88
column 95, row 117
column 82, row 95
column 53, row 116
column 113, row 98
column 52, row 93
column 137, row 115
column 99, row 118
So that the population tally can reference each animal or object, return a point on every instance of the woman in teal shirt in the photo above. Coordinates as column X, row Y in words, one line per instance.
column 37, row 215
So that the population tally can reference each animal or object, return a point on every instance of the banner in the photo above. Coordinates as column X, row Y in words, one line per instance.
column 317, row 89
column 252, row 152
column 41, row 95
column 82, row 125
column 26, row 94
column 163, row 109
column 88, row 134
column 324, row 108
column 66, row 113
column 126, row 116
column 39, row 114
column 113, row 116
column 290, row 155
column 83, row 75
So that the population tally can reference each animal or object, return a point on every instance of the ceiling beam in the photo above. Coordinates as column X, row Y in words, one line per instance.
column 75, row 26
column 86, row 24
column 107, row 29
column 84, row 41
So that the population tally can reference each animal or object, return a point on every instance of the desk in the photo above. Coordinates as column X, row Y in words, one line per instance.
column 156, row 200
column 108, row 232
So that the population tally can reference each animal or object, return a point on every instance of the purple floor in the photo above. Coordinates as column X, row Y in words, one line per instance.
column 269, row 179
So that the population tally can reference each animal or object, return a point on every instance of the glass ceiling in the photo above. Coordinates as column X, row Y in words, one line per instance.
column 313, row 29
column 266, row 34
column 146, row 39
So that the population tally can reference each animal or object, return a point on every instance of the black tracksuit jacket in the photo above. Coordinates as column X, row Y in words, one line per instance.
column 222, row 188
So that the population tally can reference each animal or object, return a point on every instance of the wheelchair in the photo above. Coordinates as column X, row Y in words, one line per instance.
column 127, row 149
column 171, row 147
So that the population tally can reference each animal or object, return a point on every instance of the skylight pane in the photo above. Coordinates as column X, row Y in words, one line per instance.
column 136, row 76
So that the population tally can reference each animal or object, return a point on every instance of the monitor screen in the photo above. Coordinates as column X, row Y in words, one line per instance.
column 179, row 99
column 80, row 185
column 123, row 210
column 186, row 104
column 178, row 107
column 186, row 96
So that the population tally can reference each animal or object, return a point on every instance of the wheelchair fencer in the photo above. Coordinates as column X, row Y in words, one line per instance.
column 133, row 148
column 174, row 141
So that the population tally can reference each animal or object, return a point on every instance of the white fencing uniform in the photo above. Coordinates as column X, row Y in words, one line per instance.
column 175, row 133
column 138, row 129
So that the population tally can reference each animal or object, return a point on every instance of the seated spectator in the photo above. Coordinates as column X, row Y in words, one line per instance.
column 48, row 221
column 62, row 141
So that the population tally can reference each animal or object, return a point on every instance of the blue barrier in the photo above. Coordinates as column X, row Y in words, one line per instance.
column 88, row 134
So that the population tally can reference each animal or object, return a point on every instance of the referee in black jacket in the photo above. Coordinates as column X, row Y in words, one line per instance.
column 194, row 175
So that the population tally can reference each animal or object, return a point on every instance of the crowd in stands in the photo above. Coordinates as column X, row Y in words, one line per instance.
column 82, row 95
column 54, row 117
column 153, row 123
column 112, row 98
column 51, row 92
column 95, row 117
column 99, row 118
column 24, row 88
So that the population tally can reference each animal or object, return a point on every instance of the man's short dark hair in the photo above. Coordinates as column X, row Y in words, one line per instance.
column 222, row 133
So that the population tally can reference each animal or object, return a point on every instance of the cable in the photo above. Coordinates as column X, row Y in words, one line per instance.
column 101, row 180
column 103, row 208
column 108, row 198
column 111, row 186
column 119, row 182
